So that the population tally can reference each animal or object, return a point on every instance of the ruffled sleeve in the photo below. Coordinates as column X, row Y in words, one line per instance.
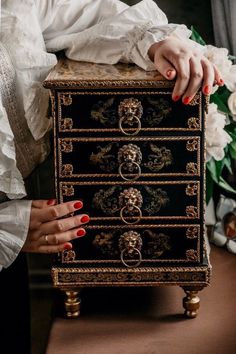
column 106, row 31
column 11, row 181
column 14, row 224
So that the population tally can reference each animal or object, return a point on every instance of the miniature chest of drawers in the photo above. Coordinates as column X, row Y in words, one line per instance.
column 136, row 160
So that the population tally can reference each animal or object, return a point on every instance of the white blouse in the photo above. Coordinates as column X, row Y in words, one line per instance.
column 100, row 31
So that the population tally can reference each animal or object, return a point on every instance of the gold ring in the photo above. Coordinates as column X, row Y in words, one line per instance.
column 46, row 239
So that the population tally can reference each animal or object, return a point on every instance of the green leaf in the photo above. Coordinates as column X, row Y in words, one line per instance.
column 232, row 150
column 196, row 36
column 232, row 57
column 222, row 106
column 225, row 185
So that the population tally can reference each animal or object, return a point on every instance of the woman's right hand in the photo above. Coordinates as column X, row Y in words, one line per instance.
column 49, row 230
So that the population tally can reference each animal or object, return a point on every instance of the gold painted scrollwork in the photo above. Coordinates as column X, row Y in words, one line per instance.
column 161, row 158
column 66, row 124
column 191, row 189
column 105, row 243
column 103, row 158
column 107, row 200
column 66, row 99
column 192, row 168
column 192, row 145
column 193, row 123
column 130, row 111
column 157, row 243
column 66, row 146
column 192, row 232
column 67, row 191
column 191, row 211
column 155, row 200
column 66, row 170
column 104, row 113
column 130, row 244
column 158, row 109
column 192, row 255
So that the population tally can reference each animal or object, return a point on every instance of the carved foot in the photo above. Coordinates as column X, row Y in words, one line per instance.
column 72, row 304
column 191, row 302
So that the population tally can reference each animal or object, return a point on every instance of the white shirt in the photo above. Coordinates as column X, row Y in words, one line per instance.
column 100, row 31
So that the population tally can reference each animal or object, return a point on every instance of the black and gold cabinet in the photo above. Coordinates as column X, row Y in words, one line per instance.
column 136, row 159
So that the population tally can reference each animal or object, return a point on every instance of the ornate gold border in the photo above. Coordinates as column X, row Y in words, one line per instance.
column 109, row 130
column 146, row 276
column 131, row 139
column 146, row 260
column 124, row 183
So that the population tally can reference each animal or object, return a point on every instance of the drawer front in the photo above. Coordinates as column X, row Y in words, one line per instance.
column 129, row 158
column 146, row 245
column 132, row 203
column 125, row 112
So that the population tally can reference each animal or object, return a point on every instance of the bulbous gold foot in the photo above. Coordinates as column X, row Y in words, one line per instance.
column 191, row 302
column 72, row 304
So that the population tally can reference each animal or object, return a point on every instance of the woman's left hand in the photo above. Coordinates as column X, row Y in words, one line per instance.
column 178, row 59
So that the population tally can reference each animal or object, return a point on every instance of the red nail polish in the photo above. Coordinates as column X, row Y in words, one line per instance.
column 207, row 89
column 67, row 246
column 187, row 100
column 50, row 201
column 84, row 219
column 81, row 232
column 176, row 98
column 169, row 73
column 221, row 82
column 78, row 205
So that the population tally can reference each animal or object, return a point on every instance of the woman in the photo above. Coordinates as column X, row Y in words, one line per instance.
column 101, row 31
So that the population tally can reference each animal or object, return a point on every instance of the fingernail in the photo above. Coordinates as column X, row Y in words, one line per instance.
column 207, row 89
column 78, row 205
column 51, row 201
column 175, row 98
column 81, row 232
column 221, row 82
column 84, row 219
column 67, row 246
column 169, row 73
column 187, row 100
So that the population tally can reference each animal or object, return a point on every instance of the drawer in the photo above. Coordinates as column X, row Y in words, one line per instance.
column 137, row 202
column 125, row 112
column 129, row 157
column 147, row 245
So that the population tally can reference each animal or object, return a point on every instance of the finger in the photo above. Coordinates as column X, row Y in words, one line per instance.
column 62, row 225
column 182, row 81
column 54, row 249
column 58, row 211
column 218, row 77
column 195, row 82
column 39, row 204
column 208, row 77
column 55, row 239
column 165, row 68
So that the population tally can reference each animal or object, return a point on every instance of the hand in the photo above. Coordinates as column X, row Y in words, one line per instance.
column 49, row 231
column 175, row 58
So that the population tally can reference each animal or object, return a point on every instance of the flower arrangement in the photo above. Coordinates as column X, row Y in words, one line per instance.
column 220, row 119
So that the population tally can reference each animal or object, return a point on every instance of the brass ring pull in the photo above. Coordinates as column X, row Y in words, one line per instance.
column 131, row 222
column 138, row 168
column 131, row 265
column 124, row 118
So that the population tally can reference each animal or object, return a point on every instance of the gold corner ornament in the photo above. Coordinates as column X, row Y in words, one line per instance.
column 65, row 99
